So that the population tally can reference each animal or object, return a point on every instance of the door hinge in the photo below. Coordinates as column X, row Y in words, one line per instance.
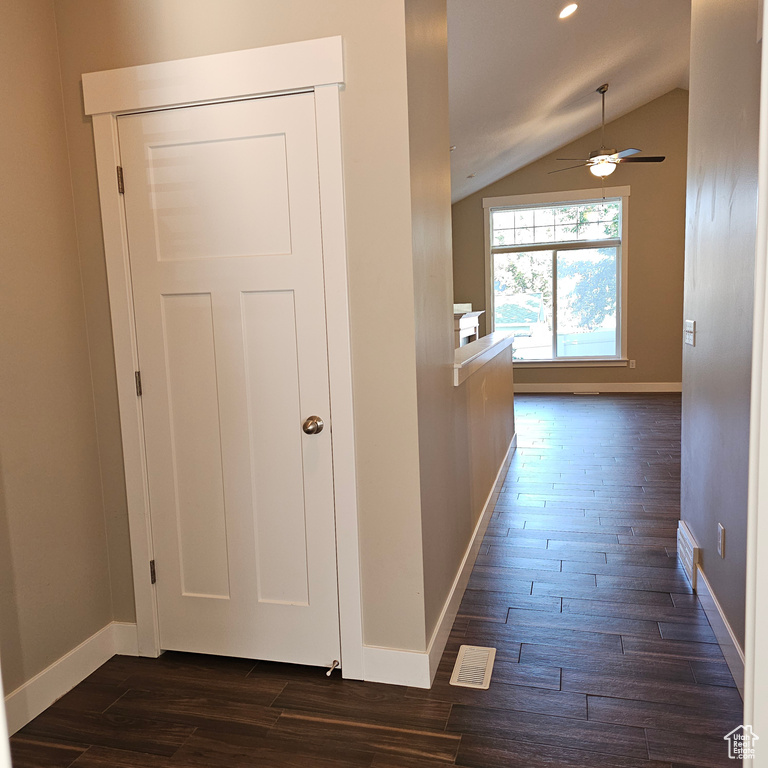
column 152, row 572
column 120, row 180
column 137, row 374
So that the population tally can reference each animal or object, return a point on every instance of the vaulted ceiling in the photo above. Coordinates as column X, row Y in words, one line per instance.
column 522, row 81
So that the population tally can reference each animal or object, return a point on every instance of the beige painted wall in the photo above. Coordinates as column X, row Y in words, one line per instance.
column 54, row 568
column 104, row 34
column 63, row 573
column 485, row 425
column 445, row 530
column 656, row 237
column 395, row 128
column 720, row 251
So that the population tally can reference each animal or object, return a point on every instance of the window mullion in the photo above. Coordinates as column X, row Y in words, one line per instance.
column 554, row 305
column 577, row 245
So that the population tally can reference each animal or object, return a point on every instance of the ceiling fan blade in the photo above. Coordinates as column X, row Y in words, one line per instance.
column 570, row 167
column 626, row 153
column 572, row 159
column 641, row 159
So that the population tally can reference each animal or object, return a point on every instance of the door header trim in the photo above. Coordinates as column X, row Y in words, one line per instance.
column 218, row 77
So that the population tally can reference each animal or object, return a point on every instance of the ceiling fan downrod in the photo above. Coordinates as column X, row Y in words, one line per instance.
column 601, row 90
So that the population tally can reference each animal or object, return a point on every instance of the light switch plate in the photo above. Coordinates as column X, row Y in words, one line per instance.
column 690, row 332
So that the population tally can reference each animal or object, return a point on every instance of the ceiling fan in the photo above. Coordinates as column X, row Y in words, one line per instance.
column 602, row 162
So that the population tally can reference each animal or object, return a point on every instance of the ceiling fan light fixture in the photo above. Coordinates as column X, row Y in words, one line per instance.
column 602, row 162
column 602, row 166
column 568, row 10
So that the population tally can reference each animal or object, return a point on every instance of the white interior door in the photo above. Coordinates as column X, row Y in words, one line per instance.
column 223, row 212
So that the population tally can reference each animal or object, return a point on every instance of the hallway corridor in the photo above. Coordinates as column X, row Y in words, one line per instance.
column 577, row 582
column 604, row 655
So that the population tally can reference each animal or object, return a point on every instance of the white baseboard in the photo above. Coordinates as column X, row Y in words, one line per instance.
column 451, row 608
column 630, row 386
column 36, row 695
column 126, row 638
column 396, row 667
column 418, row 668
column 726, row 638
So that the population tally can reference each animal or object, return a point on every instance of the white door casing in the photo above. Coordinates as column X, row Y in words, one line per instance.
column 314, row 66
column 223, row 217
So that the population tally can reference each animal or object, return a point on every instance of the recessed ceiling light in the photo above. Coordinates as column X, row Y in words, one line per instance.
column 568, row 10
column 453, row 147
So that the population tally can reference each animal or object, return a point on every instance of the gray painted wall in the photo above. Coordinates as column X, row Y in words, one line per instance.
column 54, row 562
column 719, row 264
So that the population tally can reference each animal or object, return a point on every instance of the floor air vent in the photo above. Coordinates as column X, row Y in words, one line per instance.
column 688, row 552
column 474, row 666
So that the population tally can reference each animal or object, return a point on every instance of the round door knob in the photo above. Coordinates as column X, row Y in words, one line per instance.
column 313, row 425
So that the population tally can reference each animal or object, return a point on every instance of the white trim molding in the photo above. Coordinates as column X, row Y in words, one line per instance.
column 726, row 637
column 310, row 65
column 473, row 356
column 451, row 608
column 606, row 362
column 542, row 198
column 334, row 233
column 36, row 695
column 244, row 74
column 595, row 194
column 5, row 754
column 598, row 388
column 418, row 668
column 126, row 363
column 756, row 631
column 397, row 667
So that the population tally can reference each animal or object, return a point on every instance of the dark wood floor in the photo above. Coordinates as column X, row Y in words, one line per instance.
column 605, row 658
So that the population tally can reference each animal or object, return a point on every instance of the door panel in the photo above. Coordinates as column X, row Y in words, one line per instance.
column 190, row 359
column 276, row 446
column 193, row 182
column 223, row 212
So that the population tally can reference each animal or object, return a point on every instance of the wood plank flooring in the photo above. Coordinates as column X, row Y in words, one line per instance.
column 604, row 655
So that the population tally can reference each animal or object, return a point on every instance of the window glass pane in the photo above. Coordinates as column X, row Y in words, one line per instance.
column 593, row 213
column 586, row 303
column 611, row 219
column 523, row 235
column 566, row 215
column 524, row 217
column 504, row 237
column 591, row 231
column 523, row 301
column 504, row 219
column 544, row 217
column 556, row 223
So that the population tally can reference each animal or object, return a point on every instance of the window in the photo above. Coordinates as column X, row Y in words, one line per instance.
column 556, row 265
